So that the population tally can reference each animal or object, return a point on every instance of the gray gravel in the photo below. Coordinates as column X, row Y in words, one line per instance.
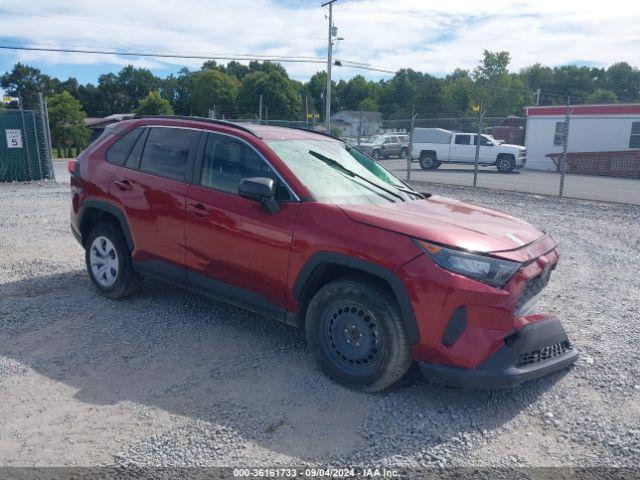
column 171, row 378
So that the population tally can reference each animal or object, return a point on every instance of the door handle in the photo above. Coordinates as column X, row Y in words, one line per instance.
column 199, row 210
column 123, row 184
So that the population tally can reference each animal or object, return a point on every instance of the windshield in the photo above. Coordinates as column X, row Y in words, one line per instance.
column 329, row 183
column 377, row 139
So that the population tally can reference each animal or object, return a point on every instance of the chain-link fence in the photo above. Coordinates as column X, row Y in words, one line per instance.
column 25, row 146
column 587, row 152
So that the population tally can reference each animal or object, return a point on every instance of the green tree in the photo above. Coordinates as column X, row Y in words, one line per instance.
column 26, row 82
column 66, row 121
column 458, row 92
column 492, row 65
column 601, row 96
column 314, row 90
column 154, row 104
column 214, row 88
column 409, row 89
column 179, row 91
column 368, row 105
column 236, row 69
column 279, row 95
column 121, row 93
column 356, row 90
column 624, row 81
column 500, row 92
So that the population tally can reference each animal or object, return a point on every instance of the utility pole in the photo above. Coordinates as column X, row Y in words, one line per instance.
column 537, row 94
column 260, row 110
column 306, row 111
column 477, row 157
column 327, row 97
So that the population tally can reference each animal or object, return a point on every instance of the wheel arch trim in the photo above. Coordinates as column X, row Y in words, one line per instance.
column 394, row 282
column 111, row 209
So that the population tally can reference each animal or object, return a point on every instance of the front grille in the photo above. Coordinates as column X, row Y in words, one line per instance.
column 532, row 288
column 546, row 353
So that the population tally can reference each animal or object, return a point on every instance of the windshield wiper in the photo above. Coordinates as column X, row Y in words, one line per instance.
column 413, row 192
column 338, row 166
column 406, row 189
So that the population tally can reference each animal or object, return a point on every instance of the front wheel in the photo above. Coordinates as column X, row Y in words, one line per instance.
column 355, row 332
column 109, row 262
column 505, row 163
column 376, row 154
column 404, row 153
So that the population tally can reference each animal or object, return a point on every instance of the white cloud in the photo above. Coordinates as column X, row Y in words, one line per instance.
column 434, row 37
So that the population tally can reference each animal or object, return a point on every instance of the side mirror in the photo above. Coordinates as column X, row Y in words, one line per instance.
column 262, row 190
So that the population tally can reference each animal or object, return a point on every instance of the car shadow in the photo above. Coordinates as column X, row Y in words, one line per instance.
column 169, row 349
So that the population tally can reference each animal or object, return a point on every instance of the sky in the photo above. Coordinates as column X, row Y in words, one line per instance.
column 426, row 35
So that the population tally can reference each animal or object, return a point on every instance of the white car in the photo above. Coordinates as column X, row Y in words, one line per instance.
column 434, row 146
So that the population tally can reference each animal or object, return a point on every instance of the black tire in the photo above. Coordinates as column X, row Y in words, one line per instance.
column 376, row 155
column 355, row 332
column 127, row 281
column 428, row 161
column 505, row 163
column 404, row 153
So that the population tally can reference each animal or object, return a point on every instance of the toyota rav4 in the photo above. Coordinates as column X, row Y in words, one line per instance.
column 305, row 229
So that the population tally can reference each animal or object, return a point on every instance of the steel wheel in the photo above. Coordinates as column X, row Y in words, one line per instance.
column 353, row 335
column 103, row 259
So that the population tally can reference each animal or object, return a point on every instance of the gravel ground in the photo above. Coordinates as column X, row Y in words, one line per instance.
column 170, row 378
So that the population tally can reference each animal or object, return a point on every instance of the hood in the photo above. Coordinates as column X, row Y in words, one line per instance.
column 369, row 145
column 449, row 222
column 511, row 145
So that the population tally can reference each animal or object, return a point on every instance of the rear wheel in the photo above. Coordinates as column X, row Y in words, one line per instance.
column 109, row 262
column 355, row 331
column 505, row 163
column 428, row 161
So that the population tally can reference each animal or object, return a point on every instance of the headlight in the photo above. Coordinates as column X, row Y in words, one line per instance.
column 489, row 270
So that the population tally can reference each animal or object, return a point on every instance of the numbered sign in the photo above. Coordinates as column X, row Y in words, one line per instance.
column 14, row 138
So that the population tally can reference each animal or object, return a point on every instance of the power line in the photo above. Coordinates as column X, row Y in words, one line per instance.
column 223, row 56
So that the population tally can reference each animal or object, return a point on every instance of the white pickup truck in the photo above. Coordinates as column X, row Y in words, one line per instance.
column 435, row 146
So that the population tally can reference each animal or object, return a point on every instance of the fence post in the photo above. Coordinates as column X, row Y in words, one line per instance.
column 47, row 135
column 477, row 158
column 25, row 136
column 413, row 124
column 563, row 158
column 35, row 134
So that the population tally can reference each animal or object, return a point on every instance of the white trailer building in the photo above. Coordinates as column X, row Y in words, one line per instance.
column 606, row 131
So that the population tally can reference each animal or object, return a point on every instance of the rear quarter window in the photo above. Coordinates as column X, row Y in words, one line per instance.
column 119, row 151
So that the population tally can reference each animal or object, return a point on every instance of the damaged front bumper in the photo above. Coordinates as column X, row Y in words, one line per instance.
column 532, row 352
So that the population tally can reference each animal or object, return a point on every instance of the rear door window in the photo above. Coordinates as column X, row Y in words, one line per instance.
column 166, row 152
column 119, row 151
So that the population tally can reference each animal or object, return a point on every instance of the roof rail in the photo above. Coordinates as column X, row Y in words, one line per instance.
column 203, row 119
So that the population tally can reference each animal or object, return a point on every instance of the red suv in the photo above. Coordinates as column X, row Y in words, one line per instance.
column 308, row 230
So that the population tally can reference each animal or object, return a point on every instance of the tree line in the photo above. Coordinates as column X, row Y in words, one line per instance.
column 234, row 91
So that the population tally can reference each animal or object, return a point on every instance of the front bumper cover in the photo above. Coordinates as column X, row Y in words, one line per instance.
column 504, row 369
